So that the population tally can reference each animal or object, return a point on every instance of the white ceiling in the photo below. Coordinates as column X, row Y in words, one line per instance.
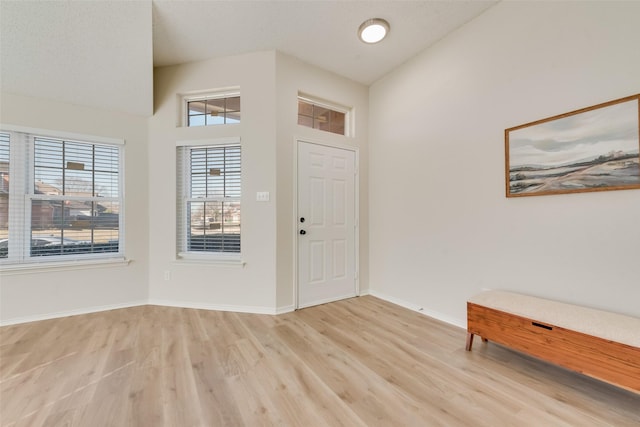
column 101, row 53
column 96, row 53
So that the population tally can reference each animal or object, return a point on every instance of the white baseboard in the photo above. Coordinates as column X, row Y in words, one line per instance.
column 216, row 307
column 285, row 309
column 224, row 307
column 57, row 314
column 167, row 303
column 434, row 314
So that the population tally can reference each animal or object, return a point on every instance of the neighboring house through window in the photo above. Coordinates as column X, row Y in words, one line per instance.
column 60, row 198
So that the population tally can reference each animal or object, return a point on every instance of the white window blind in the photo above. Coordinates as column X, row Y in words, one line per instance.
column 209, row 194
column 64, row 200
column 4, row 194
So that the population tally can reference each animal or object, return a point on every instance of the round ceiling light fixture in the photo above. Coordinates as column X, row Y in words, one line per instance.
column 373, row 30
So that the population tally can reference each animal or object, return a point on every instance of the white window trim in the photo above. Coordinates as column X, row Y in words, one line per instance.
column 218, row 258
column 349, row 129
column 67, row 136
column 20, row 180
column 201, row 96
column 66, row 265
column 209, row 258
column 233, row 140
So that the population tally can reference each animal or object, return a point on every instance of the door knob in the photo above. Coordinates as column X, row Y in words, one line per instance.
column 303, row 232
column 302, row 219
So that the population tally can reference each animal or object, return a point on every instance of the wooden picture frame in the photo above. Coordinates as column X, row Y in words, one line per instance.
column 592, row 149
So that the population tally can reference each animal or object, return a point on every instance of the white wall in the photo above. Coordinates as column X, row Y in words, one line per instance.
column 211, row 285
column 431, row 184
column 441, row 227
column 42, row 294
column 269, row 83
column 268, row 131
column 295, row 76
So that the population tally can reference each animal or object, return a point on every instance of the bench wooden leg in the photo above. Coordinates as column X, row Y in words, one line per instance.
column 470, row 340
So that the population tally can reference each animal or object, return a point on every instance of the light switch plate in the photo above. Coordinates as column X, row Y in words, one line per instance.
column 262, row 196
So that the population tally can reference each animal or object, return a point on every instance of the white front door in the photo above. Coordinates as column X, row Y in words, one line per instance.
column 326, row 224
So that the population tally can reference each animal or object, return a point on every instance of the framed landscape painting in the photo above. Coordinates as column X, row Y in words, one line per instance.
column 592, row 149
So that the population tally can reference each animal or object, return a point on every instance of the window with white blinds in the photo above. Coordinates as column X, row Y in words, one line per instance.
column 4, row 194
column 209, row 194
column 63, row 199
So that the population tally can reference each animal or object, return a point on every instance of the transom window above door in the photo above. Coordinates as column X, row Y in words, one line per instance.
column 323, row 116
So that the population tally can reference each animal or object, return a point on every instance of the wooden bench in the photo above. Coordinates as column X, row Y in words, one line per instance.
column 596, row 343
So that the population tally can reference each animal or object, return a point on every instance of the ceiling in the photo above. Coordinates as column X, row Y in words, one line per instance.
column 101, row 53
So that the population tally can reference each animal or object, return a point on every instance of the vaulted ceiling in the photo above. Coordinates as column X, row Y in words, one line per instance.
column 101, row 53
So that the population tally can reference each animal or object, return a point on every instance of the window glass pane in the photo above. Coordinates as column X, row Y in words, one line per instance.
column 78, row 183
column 213, row 227
column 233, row 117
column 75, row 169
column 233, row 104
column 106, row 184
column 231, row 226
column 77, row 225
column 197, row 120
column 213, row 223
column 305, row 121
column 4, row 195
column 305, row 109
column 215, row 106
column 215, row 172
column 96, row 226
column 199, row 173
column 78, row 156
column 232, row 172
column 46, row 227
column 68, row 227
column 321, row 118
column 196, row 107
column 215, row 120
column 322, row 124
column 4, row 247
column 73, row 207
column 106, row 166
column 214, row 111
column 48, row 166
column 78, row 177
column 336, row 120
column 321, row 114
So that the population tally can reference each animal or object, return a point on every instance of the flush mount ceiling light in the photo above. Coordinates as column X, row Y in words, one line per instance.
column 373, row 30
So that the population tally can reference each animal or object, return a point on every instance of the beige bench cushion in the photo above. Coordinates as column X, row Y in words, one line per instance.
column 603, row 324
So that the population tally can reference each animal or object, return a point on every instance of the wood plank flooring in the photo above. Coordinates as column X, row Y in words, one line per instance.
column 357, row 362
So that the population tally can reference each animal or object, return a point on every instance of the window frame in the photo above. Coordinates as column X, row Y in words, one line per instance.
column 206, row 96
column 317, row 102
column 183, row 191
column 22, row 193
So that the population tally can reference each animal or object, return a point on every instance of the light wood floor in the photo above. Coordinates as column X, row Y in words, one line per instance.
column 358, row 362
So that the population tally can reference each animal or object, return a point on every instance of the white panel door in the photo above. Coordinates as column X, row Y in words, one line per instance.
column 326, row 224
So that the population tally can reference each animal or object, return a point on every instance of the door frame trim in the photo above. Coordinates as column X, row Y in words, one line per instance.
column 296, row 141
